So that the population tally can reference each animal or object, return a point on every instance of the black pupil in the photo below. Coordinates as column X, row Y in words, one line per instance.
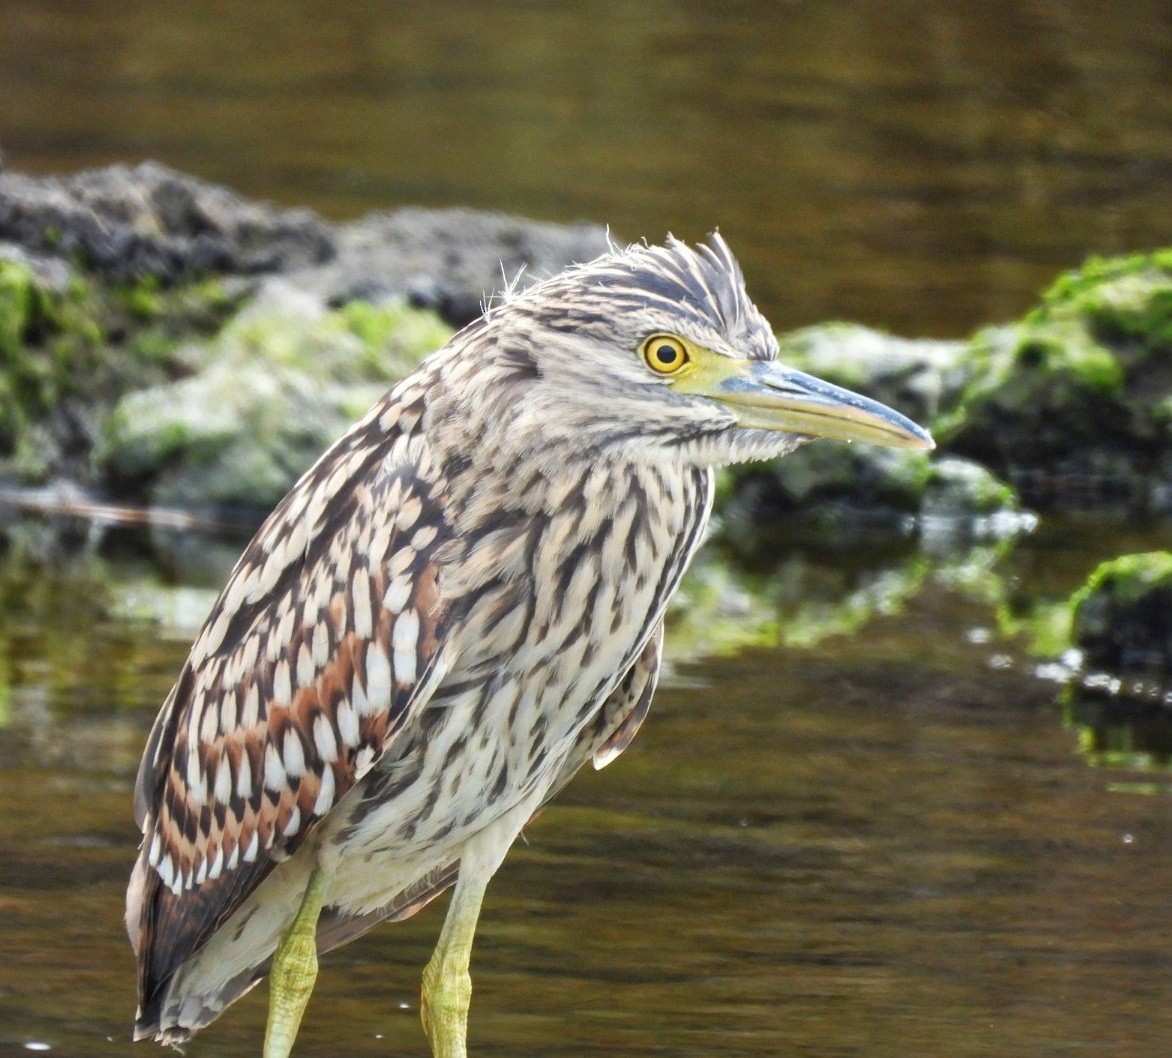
column 667, row 355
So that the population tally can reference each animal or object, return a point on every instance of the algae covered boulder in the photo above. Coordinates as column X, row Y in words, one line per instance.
column 70, row 348
column 1122, row 617
column 922, row 377
column 834, row 485
column 280, row 382
column 1079, row 390
column 164, row 339
column 860, row 489
column 55, row 367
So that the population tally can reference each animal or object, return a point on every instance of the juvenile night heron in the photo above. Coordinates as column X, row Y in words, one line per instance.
column 454, row 609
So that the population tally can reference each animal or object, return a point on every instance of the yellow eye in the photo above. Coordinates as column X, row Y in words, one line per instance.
column 665, row 354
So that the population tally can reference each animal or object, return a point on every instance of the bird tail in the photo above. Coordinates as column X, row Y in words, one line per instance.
column 175, row 1006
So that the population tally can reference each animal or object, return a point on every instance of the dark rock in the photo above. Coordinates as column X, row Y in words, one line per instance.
column 1122, row 617
column 126, row 224
column 451, row 260
column 1072, row 403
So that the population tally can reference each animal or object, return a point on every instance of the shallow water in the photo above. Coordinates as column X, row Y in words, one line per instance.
column 887, row 843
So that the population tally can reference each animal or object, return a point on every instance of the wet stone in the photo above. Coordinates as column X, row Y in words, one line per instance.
column 1122, row 618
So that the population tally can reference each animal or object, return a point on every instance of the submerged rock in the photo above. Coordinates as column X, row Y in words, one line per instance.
column 1122, row 618
column 860, row 490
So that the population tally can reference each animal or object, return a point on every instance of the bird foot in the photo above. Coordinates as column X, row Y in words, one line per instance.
column 447, row 994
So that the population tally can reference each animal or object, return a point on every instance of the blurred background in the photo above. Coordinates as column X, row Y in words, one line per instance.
column 862, row 819
column 920, row 167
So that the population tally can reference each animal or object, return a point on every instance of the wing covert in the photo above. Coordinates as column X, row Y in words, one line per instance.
column 326, row 635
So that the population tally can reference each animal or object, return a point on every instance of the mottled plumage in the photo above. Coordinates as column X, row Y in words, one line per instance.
column 451, row 612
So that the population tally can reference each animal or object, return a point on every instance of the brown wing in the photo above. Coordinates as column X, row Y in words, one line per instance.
column 325, row 637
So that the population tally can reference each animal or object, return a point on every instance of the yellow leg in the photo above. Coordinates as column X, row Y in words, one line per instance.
column 294, row 970
column 447, row 985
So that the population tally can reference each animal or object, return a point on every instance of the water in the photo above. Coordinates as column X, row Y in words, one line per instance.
column 924, row 167
column 861, row 820
column 887, row 843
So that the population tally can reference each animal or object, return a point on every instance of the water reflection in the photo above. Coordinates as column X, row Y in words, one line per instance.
column 1129, row 731
column 877, row 843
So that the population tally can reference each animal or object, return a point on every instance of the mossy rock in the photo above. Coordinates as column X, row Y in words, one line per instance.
column 959, row 488
column 1079, row 388
column 275, row 388
column 922, row 378
column 823, row 480
column 1122, row 617
column 51, row 348
column 70, row 349
column 852, row 490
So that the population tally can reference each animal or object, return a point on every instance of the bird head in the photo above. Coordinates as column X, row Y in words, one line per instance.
column 653, row 352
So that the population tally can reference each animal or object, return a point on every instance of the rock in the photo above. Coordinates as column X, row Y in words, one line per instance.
column 960, row 489
column 1072, row 404
column 1122, row 617
column 114, row 284
column 129, row 224
column 274, row 389
column 69, row 348
column 51, row 274
column 50, row 350
column 861, row 489
column 124, row 224
column 922, row 378
column 450, row 260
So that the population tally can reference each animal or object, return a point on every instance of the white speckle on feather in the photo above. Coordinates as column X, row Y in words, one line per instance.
column 404, row 641
column 378, row 677
column 293, row 755
column 325, row 796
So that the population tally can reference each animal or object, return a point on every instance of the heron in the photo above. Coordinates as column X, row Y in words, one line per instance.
column 453, row 610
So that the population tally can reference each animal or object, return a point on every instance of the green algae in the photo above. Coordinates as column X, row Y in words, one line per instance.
column 1121, row 618
column 1128, row 578
column 1080, row 384
column 49, row 339
column 273, row 389
column 1122, row 299
column 69, row 350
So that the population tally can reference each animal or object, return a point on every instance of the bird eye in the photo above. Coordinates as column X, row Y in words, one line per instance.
column 665, row 354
